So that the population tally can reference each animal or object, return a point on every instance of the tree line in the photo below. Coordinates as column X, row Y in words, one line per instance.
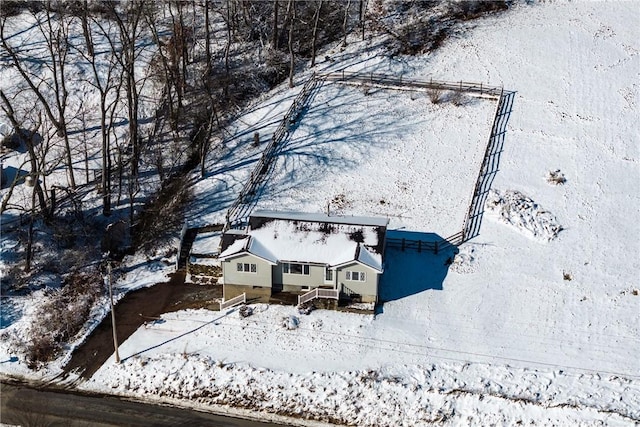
column 190, row 63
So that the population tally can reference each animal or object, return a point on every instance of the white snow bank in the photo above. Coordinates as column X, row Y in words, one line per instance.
column 393, row 396
column 519, row 211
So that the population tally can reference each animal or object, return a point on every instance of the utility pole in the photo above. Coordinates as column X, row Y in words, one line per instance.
column 113, row 312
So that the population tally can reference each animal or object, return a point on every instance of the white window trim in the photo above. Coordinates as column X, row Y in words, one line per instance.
column 362, row 276
column 333, row 275
column 286, row 268
column 250, row 265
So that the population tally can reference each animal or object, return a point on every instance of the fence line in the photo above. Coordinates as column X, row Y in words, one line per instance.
column 491, row 159
column 236, row 214
column 319, row 293
column 489, row 167
column 424, row 245
column 397, row 82
column 240, row 299
column 471, row 225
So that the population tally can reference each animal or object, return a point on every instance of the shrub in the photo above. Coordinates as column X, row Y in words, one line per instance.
column 290, row 322
column 306, row 308
column 61, row 317
column 556, row 177
column 435, row 95
column 245, row 311
column 457, row 98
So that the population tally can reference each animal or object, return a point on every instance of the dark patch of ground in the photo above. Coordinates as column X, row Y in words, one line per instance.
column 133, row 311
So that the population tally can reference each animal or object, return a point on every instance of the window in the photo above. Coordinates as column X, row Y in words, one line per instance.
column 295, row 268
column 246, row 267
column 328, row 275
column 356, row 276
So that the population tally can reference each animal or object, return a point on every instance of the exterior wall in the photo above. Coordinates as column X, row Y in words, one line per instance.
column 294, row 282
column 368, row 288
column 254, row 293
column 260, row 278
column 293, row 288
column 203, row 269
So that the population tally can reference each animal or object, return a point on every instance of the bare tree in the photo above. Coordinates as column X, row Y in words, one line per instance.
column 108, row 86
column 314, row 37
column 227, row 49
column 344, row 23
column 55, row 31
column 84, row 19
column 362, row 15
column 275, row 35
column 291, row 16
column 128, row 20
column 170, row 69
column 178, row 55
column 27, row 137
column 207, row 43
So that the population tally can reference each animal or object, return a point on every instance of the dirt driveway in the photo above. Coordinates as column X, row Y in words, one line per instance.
column 133, row 311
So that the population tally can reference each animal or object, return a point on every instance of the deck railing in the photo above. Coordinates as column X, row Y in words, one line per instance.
column 240, row 299
column 319, row 293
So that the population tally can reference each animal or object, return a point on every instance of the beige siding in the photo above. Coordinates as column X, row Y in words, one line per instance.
column 368, row 288
column 233, row 277
column 288, row 281
column 254, row 294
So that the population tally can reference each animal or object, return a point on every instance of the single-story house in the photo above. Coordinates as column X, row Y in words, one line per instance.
column 297, row 252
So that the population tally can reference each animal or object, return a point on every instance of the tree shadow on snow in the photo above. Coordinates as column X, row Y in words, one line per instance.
column 11, row 173
column 415, row 269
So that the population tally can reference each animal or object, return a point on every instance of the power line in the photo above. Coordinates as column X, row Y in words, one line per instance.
column 394, row 348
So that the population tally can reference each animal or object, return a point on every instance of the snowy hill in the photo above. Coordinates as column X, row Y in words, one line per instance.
column 526, row 326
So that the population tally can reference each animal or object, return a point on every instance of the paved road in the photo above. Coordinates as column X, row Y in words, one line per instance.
column 20, row 405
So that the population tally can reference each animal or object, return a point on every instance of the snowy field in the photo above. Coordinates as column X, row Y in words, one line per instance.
column 358, row 151
column 535, row 322
column 386, row 153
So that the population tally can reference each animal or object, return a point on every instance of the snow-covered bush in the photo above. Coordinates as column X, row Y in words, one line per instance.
column 435, row 95
column 245, row 310
column 521, row 212
column 290, row 322
column 306, row 308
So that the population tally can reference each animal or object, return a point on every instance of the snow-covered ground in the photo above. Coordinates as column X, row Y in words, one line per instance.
column 537, row 319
